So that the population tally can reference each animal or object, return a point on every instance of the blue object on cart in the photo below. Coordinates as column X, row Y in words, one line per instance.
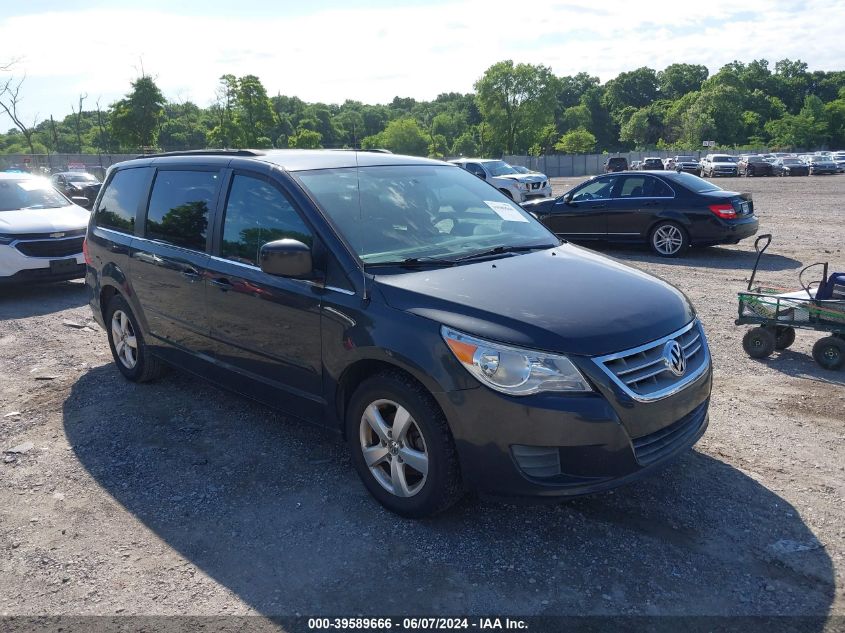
column 833, row 288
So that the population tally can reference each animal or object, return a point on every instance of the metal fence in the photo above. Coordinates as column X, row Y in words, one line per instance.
column 563, row 165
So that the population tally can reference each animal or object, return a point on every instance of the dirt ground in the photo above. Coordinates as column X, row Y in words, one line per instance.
column 178, row 498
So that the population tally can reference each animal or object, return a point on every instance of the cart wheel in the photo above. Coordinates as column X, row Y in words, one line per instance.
column 784, row 337
column 829, row 352
column 759, row 342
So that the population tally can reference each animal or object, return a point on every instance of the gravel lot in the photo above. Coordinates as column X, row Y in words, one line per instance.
column 178, row 498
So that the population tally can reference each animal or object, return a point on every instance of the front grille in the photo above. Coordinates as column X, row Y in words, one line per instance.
column 536, row 185
column 62, row 247
column 654, row 446
column 644, row 373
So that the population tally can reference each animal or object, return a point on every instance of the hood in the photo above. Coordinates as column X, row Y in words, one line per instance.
column 524, row 177
column 539, row 206
column 68, row 218
column 566, row 299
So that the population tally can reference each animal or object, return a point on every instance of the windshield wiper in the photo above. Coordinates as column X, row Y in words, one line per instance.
column 412, row 262
column 501, row 250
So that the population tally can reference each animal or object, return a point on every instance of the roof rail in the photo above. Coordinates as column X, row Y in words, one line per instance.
column 207, row 152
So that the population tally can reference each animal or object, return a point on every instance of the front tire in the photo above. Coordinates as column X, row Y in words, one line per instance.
column 829, row 352
column 507, row 193
column 668, row 239
column 402, row 447
column 130, row 352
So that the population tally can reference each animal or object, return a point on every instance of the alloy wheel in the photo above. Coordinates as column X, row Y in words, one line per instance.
column 124, row 339
column 393, row 448
column 668, row 239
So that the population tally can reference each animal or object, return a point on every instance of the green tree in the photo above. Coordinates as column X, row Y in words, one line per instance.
column 676, row 80
column 516, row 101
column 576, row 142
column 635, row 89
column 636, row 129
column 254, row 114
column 402, row 136
column 136, row 118
column 305, row 139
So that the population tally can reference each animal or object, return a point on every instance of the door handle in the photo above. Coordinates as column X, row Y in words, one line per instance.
column 191, row 274
column 222, row 283
column 598, row 206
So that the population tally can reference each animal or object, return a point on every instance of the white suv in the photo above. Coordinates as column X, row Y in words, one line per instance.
column 41, row 232
column 518, row 187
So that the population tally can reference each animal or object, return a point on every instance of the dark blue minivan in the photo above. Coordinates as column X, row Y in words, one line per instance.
column 451, row 338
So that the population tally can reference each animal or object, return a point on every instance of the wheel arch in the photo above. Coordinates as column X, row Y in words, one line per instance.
column 358, row 372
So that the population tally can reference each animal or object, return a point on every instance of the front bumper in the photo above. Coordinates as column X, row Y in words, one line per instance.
column 15, row 267
column 535, row 194
column 552, row 445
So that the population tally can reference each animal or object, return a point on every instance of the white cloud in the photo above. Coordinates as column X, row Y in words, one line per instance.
column 374, row 54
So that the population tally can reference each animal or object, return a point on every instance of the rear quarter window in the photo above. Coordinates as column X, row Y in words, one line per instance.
column 120, row 200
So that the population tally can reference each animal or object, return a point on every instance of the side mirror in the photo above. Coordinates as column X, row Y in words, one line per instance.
column 482, row 175
column 286, row 258
column 567, row 198
column 82, row 201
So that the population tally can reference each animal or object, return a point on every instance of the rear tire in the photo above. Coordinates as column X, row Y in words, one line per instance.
column 759, row 342
column 784, row 337
column 829, row 352
column 130, row 351
column 402, row 447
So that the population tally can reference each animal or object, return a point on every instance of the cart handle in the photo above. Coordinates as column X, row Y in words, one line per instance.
column 807, row 287
column 760, row 251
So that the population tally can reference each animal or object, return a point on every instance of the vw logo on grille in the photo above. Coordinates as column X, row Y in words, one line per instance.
column 674, row 359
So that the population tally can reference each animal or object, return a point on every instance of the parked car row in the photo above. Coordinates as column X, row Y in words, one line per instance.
column 749, row 165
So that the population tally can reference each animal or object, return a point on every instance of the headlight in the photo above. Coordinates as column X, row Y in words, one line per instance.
column 522, row 186
column 513, row 370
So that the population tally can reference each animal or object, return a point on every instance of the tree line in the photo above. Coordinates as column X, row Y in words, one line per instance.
column 514, row 109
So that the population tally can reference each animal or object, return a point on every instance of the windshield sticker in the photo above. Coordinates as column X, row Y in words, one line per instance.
column 506, row 211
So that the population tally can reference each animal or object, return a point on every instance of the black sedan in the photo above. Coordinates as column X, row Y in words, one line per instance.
column 669, row 211
column 754, row 166
column 791, row 167
column 77, row 184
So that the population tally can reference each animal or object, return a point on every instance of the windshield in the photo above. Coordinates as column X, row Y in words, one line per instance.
column 29, row 193
column 396, row 213
column 819, row 159
column 80, row 178
column 724, row 159
column 694, row 183
column 521, row 169
column 499, row 168
column 684, row 159
column 791, row 161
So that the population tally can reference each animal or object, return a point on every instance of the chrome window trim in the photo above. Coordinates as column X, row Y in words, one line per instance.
column 671, row 188
column 682, row 384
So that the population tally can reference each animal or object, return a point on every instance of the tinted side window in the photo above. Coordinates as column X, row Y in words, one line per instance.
column 120, row 200
column 656, row 188
column 597, row 190
column 632, row 187
column 257, row 213
column 476, row 169
column 179, row 204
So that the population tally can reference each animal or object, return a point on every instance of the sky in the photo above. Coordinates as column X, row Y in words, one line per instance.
column 373, row 50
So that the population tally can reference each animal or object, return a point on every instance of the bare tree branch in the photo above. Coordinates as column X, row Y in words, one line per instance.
column 10, row 98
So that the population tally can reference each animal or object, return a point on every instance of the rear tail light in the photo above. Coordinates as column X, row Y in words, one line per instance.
column 724, row 210
column 85, row 252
